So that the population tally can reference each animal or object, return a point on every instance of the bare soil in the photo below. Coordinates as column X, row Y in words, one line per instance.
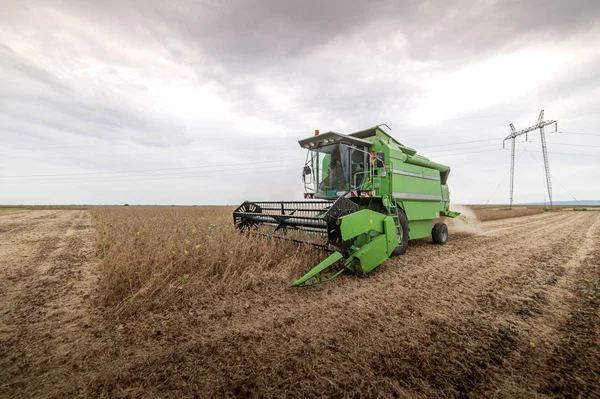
column 508, row 311
column 48, row 271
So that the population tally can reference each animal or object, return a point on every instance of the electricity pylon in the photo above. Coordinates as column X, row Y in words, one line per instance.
column 514, row 134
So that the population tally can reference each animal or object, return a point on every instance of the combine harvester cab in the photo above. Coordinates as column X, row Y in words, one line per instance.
column 366, row 195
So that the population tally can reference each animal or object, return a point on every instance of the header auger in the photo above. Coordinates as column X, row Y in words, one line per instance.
column 366, row 195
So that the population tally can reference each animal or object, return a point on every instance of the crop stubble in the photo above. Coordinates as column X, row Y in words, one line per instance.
column 511, row 311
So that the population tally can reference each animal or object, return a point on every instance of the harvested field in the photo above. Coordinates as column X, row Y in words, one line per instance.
column 488, row 214
column 173, row 302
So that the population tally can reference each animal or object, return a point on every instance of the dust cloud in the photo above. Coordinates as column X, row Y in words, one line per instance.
column 467, row 222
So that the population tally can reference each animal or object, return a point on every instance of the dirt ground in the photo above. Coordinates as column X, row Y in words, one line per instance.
column 48, row 270
column 509, row 311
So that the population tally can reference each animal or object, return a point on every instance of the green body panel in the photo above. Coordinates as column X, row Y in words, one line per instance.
column 369, row 256
column 378, row 249
column 361, row 222
column 421, row 210
column 419, row 229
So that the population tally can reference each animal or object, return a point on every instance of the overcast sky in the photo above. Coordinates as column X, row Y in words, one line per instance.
column 203, row 102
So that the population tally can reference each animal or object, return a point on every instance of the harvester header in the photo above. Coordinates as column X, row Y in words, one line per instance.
column 366, row 195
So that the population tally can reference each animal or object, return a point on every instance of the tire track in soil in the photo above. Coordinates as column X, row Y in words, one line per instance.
column 532, row 304
column 496, row 227
column 49, row 271
column 574, row 365
column 12, row 222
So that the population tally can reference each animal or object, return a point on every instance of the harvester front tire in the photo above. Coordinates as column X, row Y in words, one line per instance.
column 439, row 234
column 402, row 244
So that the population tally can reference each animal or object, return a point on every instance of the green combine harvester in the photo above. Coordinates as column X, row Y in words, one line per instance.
column 366, row 195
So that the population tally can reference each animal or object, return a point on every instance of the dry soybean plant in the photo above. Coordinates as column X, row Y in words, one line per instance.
column 157, row 255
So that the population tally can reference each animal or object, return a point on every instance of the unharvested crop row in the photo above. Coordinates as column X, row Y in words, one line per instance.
column 153, row 256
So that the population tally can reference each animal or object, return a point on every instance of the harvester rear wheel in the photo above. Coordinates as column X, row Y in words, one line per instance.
column 402, row 232
column 439, row 234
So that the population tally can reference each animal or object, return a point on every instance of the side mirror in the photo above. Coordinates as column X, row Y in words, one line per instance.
column 306, row 172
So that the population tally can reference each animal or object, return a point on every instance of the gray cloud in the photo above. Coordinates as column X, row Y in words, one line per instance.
column 244, row 34
column 159, row 75
column 47, row 102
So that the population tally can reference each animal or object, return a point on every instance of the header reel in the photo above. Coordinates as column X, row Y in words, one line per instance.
column 364, row 238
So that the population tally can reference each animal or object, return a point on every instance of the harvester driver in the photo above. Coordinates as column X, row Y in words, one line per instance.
column 335, row 177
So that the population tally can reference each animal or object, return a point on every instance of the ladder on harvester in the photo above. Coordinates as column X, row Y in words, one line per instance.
column 392, row 208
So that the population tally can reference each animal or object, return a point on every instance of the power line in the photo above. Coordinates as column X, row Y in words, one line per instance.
column 502, row 181
column 205, row 150
column 466, row 148
column 284, row 135
column 567, row 144
column 579, row 133
column 206, row 174
column 154, row 170
column 118, row 178
column 260, row 134
column 459, row 148
column 254, row 134
column 150, row 178
column 192, row 167
column 98, row 176
column 200, row 151
column 558, row 133
column 487, row 140
column 470, row 152
column 570, row 153
column 91, row 177
column 461, row 142
column 239, row 138
column 123, row 174
column 192, row 141
column 553, row 177
column 115, row 178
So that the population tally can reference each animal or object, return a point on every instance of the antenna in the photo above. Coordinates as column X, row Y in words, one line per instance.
column 513, row 135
